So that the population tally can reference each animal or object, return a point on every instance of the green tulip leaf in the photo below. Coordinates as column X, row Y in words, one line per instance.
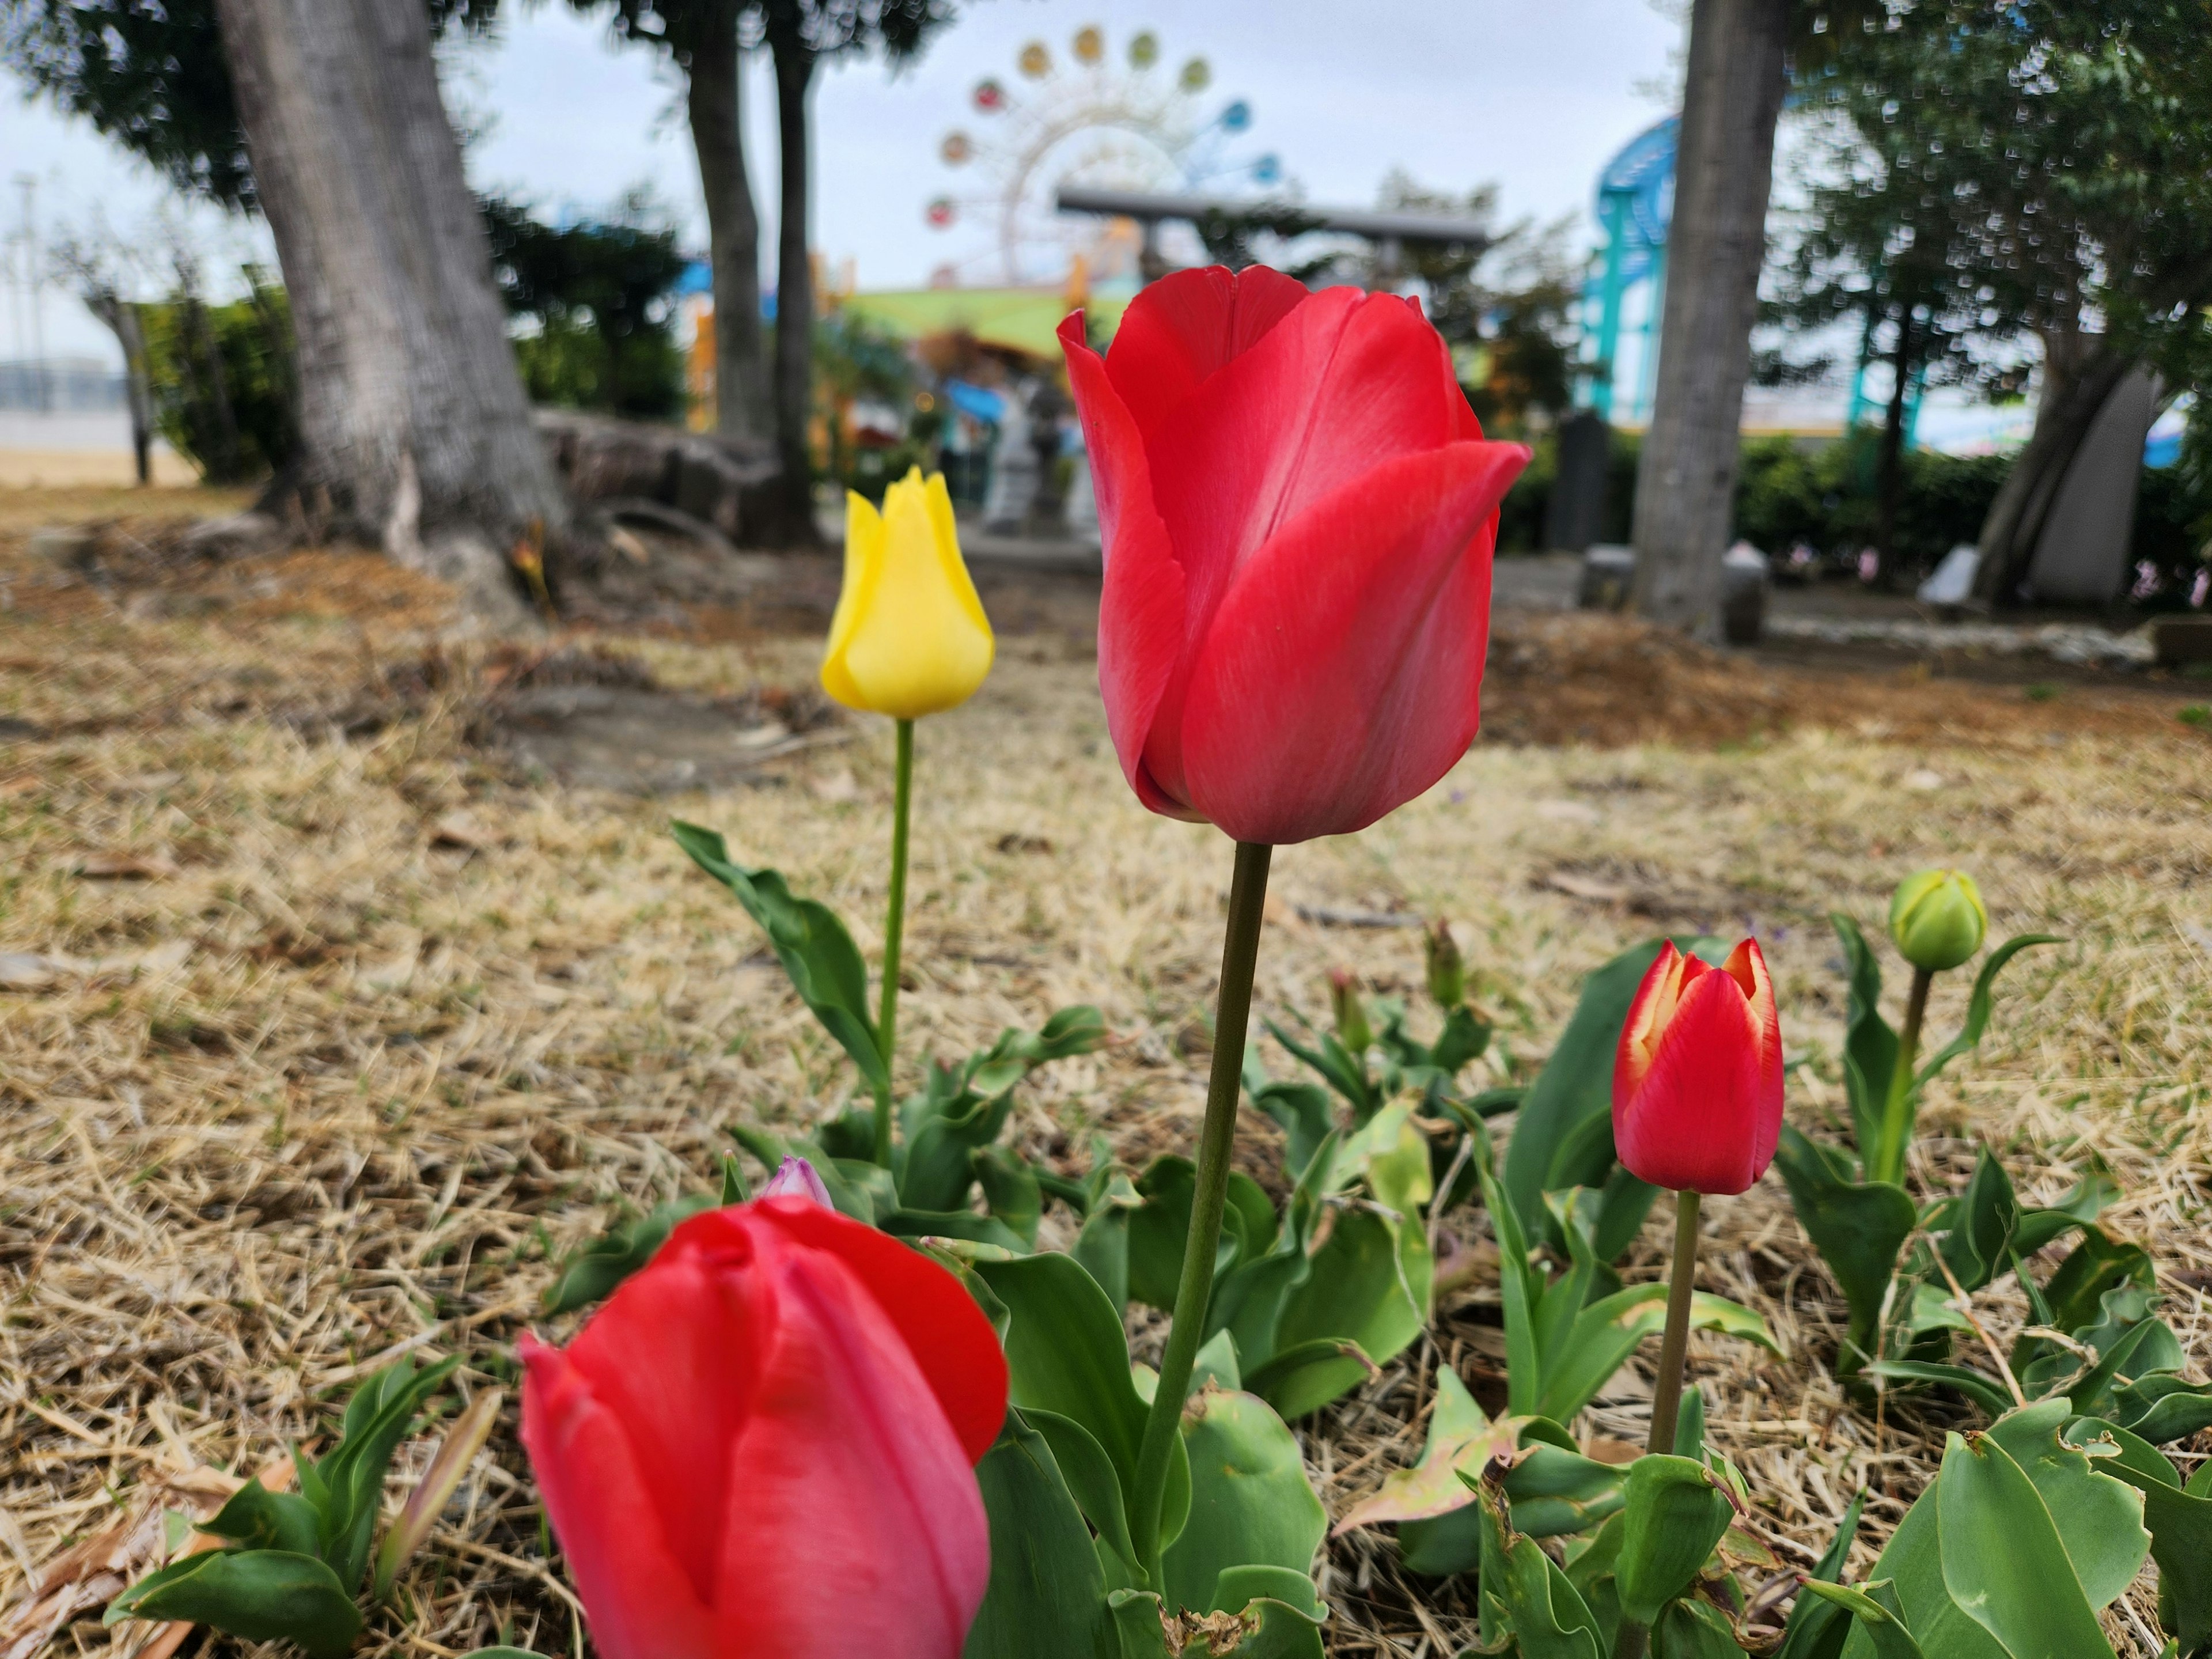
column 1301, row 1110
column 1067, row 1353
column 1876, row 1610
column 2092, row 1195
column 1368, row 1283
column 1554, row 1491
column 1306, row 1375
column 1238, row 1588
column 1694, row 1630
column 1674, row 1512
column 1342, row 1070
column 818, row 955
column 1606, row 1332
column 1011, row 1191
column 1858, row 1227
column 2178, row 1519
column 1090, row 1478
column 1140, row 1622
column 1870, row 1044
column 350, row 1475
column 263, row 1595
column 2100, row 1521
column 1250, row 1503
column 1457, row 1428
column 2004, row 1566
column 1523, row 1596
column 1979, row 1225
column 1819, row 1625
column 953, row 1224
column 1984, row 1391
column 1979, row 1004
column 860, row 1196
column 1045, row 1594
column 1216, row 1363
column 2163, row 1407
column 260, row 1519
column 591, row 1274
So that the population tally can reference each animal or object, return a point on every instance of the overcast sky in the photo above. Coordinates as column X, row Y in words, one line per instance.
column 1459, row 93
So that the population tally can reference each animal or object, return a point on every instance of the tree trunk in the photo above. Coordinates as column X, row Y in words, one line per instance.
column 122, row 318
column 794, row 294
column 2079, row 372
column 412, row 418
column 1723, row 169
column 742, row 405
column 1891, row 479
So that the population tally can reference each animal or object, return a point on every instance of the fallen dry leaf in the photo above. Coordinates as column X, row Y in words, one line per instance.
column 126, row 866
column 459, row 829
column 90, row 1574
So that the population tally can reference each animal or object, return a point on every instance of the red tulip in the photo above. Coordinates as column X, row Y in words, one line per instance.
column 1299, row 511
column 1696, row 1082
column 763, row 1445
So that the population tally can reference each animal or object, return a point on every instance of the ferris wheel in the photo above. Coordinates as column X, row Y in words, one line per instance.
column 1132, row 125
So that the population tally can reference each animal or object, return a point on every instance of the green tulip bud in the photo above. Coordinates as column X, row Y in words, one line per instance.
column 1352, row 1027
column 1447, row 971
column 1937, row 918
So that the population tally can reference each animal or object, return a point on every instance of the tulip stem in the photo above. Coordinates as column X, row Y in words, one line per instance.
column 1232, row 1013
column 1888, row 1162
column 1673, row 1347
column 894, row 927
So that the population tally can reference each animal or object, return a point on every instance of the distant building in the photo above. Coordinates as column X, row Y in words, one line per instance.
column 62, row 385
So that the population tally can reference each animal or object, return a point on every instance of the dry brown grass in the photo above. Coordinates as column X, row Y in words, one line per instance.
column 323, row 1083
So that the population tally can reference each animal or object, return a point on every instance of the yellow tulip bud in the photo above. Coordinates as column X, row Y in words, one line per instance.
column 1937, row 918
column 909, row 637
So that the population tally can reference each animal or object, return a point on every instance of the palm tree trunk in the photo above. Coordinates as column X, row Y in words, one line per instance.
column 794, row 292
column 742, row 405
column 1723, row 170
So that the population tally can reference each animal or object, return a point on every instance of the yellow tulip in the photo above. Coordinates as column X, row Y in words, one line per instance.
column 909, row 637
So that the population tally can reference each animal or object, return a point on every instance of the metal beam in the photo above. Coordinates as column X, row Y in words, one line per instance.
column 1289, row 217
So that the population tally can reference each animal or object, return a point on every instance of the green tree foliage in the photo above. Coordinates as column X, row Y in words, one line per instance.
column 599, row 293
column 152, row 78
column 223, row 378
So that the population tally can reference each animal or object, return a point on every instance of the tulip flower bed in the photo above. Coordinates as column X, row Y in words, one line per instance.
column 446, row 1048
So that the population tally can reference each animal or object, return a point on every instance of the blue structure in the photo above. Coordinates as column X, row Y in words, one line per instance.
column 1635, row 203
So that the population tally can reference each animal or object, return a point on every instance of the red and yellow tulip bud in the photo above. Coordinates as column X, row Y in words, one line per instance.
column 1697, row 1081
column 909, row 636
column 1937, row 918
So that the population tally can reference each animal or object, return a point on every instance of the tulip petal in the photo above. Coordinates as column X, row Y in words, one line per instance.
column 1140, row 610
column 864, row 541
column 1746, row 965
column 643, row 1604
column 853, row 1523
column 1340, row 676
column 1695, row 1124
column 946, row 534
column 953, row 1344
column 700, row 1314
column 1183, row 328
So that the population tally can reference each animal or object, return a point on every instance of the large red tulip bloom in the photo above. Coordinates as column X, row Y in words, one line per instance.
column 763, row 1446
column 1696, row 1082
column 1299, row 512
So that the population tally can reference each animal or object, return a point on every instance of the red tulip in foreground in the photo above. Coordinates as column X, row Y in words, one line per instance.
column 763, row 1445
column 1299, row 511
column 1696, row 1082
